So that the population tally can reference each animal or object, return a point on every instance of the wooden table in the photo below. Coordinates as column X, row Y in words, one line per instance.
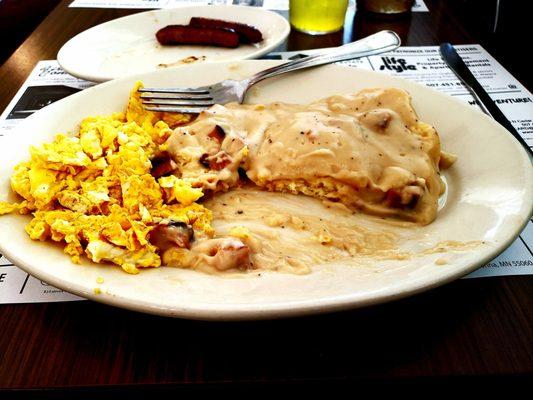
column 470, row 328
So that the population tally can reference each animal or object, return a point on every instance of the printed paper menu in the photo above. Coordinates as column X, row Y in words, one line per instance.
column 48, row 83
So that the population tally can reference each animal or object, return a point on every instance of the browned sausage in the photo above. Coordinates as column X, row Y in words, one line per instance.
column 162, row 165
column 217, row 134
column 183, row 34
column 217, row 161
column 172, row 234
column 247, row 33
column 224, row 253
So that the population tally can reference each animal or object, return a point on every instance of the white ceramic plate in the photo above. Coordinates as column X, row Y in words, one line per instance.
column 489, row 199
column 127, row 46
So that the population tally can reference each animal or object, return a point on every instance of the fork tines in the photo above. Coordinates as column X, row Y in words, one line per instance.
column 179, row 100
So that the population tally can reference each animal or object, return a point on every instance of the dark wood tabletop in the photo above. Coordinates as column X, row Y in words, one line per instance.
column 475, row 328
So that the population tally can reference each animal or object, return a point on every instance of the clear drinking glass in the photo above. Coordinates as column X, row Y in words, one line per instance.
column 385, row 6
column 317, row 17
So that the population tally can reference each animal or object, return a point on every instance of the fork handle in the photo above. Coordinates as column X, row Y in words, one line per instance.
column 377, row 43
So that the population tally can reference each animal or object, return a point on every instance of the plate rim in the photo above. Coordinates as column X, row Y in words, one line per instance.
column 101, row 79
column 228, row 312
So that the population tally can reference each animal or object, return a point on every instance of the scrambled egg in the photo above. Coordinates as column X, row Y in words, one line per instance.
column 94, row 191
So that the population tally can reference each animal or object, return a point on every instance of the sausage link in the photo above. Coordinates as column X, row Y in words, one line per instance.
column 247, row 33
column 183, row 34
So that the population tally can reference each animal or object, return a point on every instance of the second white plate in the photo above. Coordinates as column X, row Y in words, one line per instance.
column 127, row 46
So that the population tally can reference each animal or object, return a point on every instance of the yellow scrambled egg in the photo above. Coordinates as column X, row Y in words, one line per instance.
column 94, row 192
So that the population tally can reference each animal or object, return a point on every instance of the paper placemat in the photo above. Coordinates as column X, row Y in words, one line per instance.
column 48, row 83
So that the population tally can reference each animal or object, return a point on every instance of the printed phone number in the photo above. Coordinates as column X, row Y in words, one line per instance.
column 518, row 263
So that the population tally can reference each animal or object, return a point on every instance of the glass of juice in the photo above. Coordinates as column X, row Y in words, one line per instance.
column 317, row 17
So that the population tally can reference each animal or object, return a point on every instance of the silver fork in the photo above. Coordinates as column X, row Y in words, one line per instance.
column 194, row 100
